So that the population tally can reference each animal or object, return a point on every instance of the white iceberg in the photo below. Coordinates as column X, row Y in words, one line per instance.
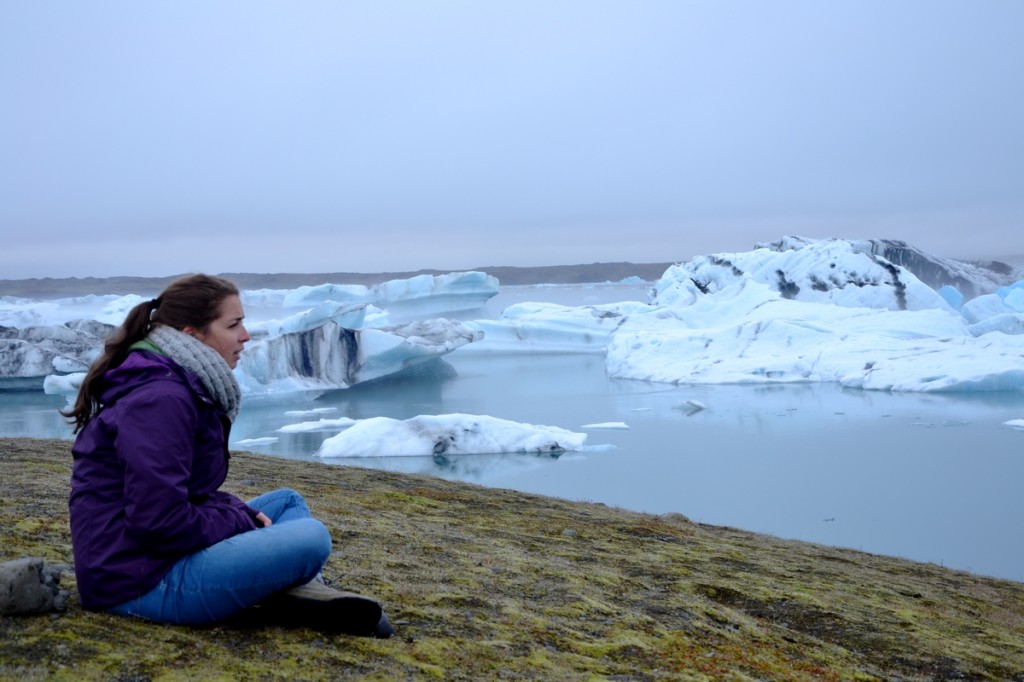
column 797, row 310
column 821, row 311
column 447, row 434
column 331, row 357
column 613, row 426
column 404, row 299
column 328, row 345
column 319, row 425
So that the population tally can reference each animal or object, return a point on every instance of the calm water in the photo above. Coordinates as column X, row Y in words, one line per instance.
column 932, row 478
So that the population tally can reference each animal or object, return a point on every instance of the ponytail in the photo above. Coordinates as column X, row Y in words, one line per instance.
column 189, row 301
column 115, row 350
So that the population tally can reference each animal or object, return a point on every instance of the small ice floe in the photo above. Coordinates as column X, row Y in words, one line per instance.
column 318, row 425
column 249, row 442
column 63, row 384
column 691, row 407
column 955, row 422
column 606, row 425
column 1015, row 423
column 310, row 413
column 448, row 434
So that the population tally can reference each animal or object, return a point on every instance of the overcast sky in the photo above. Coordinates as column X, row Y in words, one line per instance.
column 155, row 138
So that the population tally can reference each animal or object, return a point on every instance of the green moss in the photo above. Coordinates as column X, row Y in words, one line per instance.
column 494, row 584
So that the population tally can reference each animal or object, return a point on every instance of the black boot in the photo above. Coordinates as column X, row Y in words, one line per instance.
column 384, row 628
column 317, row 606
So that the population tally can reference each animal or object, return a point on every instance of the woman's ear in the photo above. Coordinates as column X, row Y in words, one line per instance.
column 191, row 331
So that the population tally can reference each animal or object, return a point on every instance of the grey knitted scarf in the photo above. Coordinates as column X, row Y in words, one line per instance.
column 197, row 357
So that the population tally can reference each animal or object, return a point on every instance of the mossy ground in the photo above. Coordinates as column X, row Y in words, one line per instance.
column 494, row 584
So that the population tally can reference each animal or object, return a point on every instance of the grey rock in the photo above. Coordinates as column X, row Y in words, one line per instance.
column 674, row 517
column 30, row 585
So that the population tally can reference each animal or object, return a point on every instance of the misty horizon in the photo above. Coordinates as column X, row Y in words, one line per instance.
column 1014, row 260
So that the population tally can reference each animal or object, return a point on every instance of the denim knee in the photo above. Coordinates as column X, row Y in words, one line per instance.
column 310, row 536
column 283, row 503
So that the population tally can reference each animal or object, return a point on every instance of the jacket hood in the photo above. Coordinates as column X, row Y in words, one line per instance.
column 142, row 367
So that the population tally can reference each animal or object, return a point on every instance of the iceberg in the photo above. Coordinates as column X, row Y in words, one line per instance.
column 1002, row 310
column 404, row 299
column 553, row 328
column 749, row 334
column 351, row 316
column 970, row 278
column 318, row 425
column 330, row 356
column 850, row 312
column 329, row 344
column 837, row 272
column 615, row 426
column 29, row 355
column 797, row 310
column 448, row 434
column 107, row 310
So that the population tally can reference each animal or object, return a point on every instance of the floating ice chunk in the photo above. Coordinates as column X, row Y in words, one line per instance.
column 1007, row 323
column 422, row 295
column 838, row 272
column 250, row 442
column 601, row 447
column 334, row 357
column 391, row 349
column 549, row 327
column 984, row 307
column 607, row 425
column 1015, row 423
column 746, row 333
column 307, row 413
column 307, row 296
column 1014, row 297
column 349, row 315
column 109, row 309
column 691, row 406
column 447, row 434
column 318, row 425
column 63, row 384
column 952, row 296
column 35, row 352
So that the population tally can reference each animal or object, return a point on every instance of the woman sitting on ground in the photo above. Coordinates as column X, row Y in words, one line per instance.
column 153, row 535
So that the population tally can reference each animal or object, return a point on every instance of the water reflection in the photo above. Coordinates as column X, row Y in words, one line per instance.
column 479, row 469
column 32, row 414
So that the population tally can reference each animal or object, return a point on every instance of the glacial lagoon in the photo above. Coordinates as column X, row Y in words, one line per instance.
column 931, row 477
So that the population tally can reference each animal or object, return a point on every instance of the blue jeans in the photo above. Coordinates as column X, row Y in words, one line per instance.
column 236, row 573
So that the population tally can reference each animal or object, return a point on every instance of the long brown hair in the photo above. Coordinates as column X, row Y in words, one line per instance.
column 190, row 301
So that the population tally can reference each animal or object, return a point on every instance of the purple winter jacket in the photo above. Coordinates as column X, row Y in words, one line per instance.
column 144, row 486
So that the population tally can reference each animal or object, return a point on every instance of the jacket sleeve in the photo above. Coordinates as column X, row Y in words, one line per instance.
column 230, row 499
column 156, row 442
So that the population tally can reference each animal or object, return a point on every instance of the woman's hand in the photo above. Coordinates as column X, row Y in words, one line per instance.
column 264, row 519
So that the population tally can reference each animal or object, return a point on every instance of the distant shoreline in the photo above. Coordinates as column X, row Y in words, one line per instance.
column 49, row 287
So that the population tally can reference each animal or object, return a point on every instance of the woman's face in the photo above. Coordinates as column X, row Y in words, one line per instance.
column 226, row 334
